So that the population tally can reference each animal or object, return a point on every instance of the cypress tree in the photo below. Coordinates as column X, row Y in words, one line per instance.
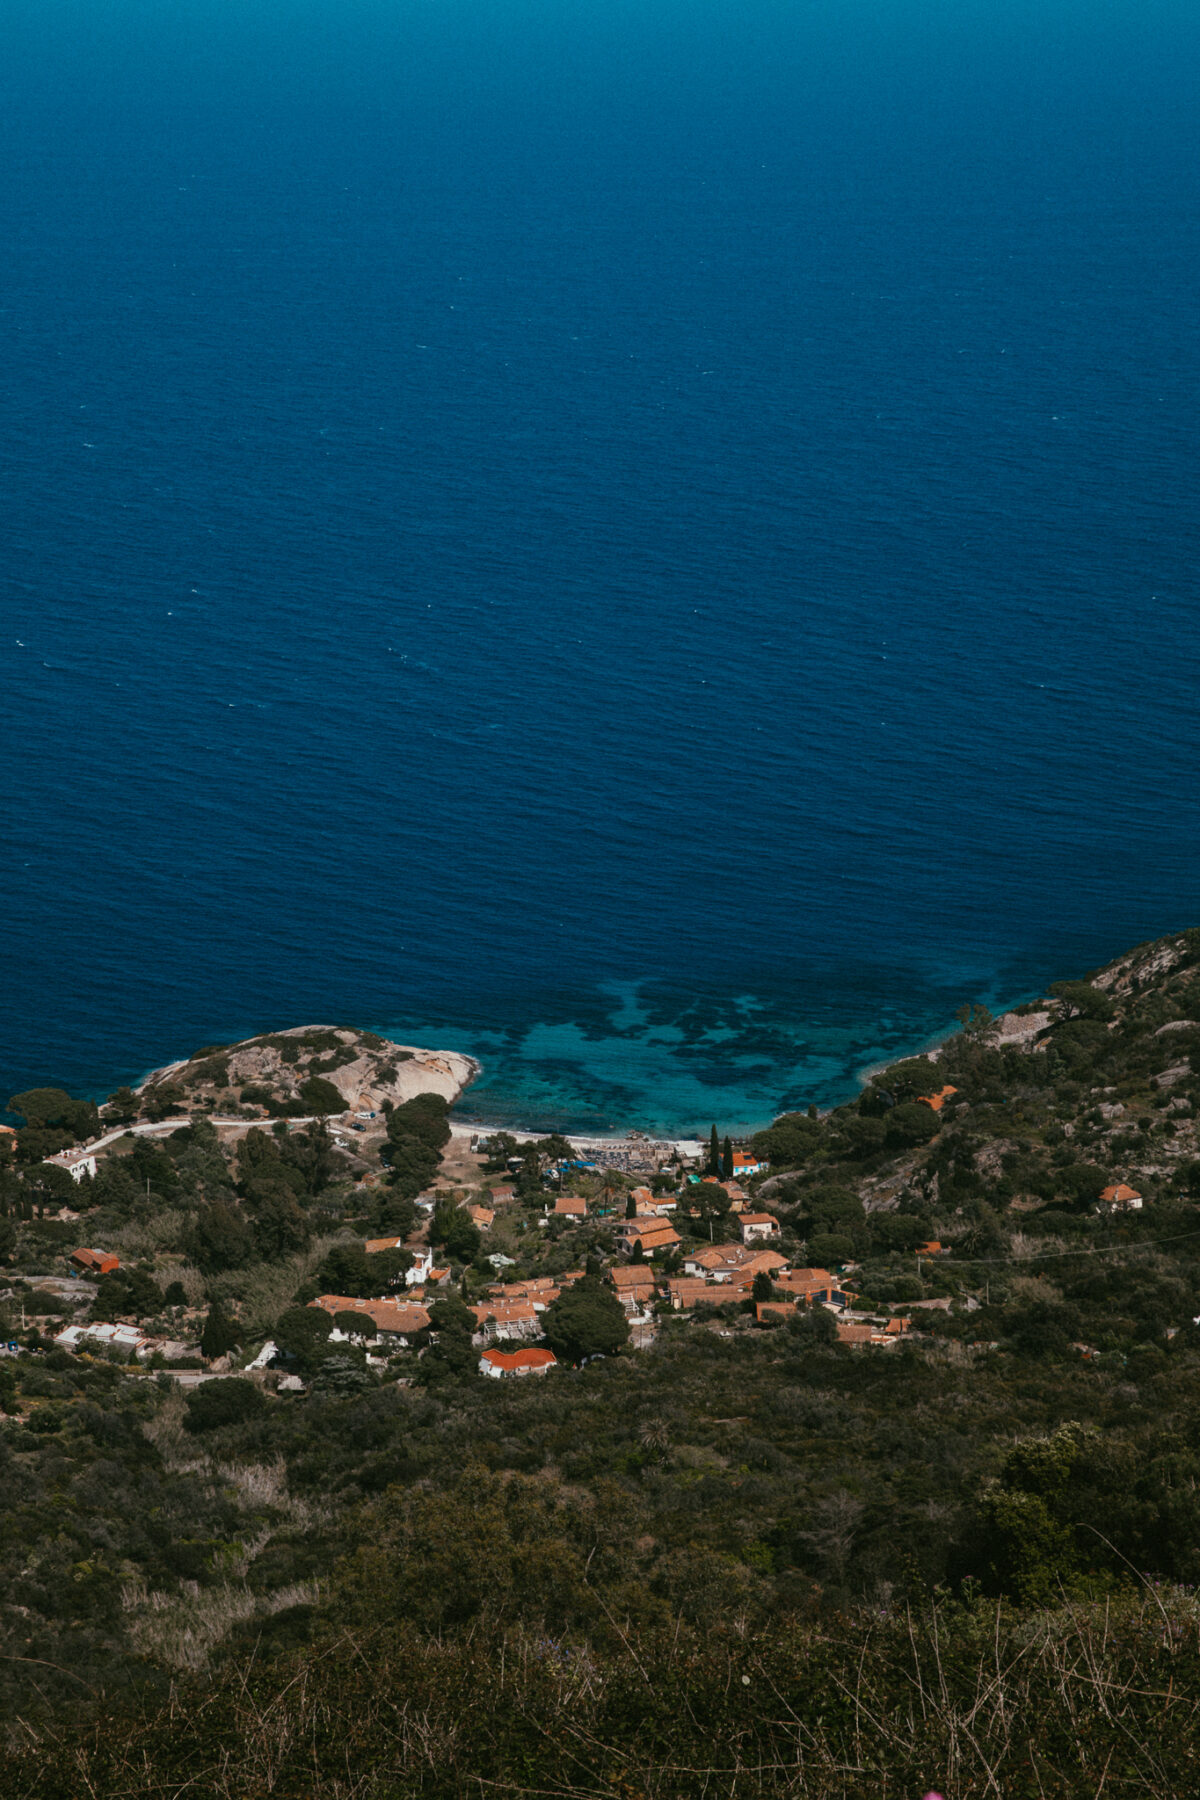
column 220, row 1334
column 727, row 1159
column 631, row 1208
column 714, row 1154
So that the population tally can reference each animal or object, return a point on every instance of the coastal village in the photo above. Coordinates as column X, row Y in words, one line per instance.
column 646, row 1212
column 305, row 1203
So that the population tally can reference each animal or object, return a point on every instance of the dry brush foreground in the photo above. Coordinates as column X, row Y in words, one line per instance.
column 1089, row 1700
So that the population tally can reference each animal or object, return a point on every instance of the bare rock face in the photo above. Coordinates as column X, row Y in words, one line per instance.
column 1020, row 1030
column 365, row 1069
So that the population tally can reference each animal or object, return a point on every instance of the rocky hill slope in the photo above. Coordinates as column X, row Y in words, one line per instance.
column 277, row 1069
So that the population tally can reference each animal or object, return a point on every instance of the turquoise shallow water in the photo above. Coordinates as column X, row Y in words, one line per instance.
column 658, row 545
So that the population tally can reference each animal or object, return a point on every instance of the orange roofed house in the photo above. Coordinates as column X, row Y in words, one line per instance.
column 499, row 1363
column 745, row 1162
column 93, row 1262
column 570, row 1206
column 756, row 1228
column 653, row 1235
column 809, row 1285
column 390, row 1318
column 634, row 1283
column 506, row 1319
column 936, row 1101
column 1122, row 1198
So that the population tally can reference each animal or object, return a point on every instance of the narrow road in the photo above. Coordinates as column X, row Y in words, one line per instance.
column 166, row 1126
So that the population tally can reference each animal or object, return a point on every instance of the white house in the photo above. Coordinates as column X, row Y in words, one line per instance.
column 77, row 1163
column 756, row 1227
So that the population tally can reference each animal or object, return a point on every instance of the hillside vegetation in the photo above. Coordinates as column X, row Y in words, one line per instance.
column 744, row 1559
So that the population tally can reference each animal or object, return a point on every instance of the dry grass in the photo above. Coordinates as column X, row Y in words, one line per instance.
column 1089, row 1703
column 181, row 1631
column 265, row 1290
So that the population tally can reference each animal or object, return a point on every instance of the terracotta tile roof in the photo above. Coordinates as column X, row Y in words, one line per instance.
column 760, row 1219
column 571, row 1206
column 96, row 1262
column 631, row 1275
column 385, row 1315
column 690, row 1290
column 714, row 1256
column 765, row 1260
column 1120, row 1191
column 539, row 1287
column 938, row 1100
column 656, row 1236
column 506, row 1312
column 855, row 1334
column 519, row 1359
column 374, row 1244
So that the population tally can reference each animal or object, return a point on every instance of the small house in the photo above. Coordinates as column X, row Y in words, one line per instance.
column 93, row 1262
column 77, row 1163
column 570, row 1206
column 390, row 1318
column 745, row 1162
column 635, row 1285
column 506, row 1319
column 756, row 1228
column 654, row 1237
column 499, row 1363
column 1121, row 1198
column 686, row 1291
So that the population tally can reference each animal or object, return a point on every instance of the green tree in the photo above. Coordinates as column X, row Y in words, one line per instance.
column 347, row 1269
column 425, row 1117
column 302, row 1334
column 726, row 1169
column 910, row 1124
column 123, row 1106
column 789, row 1142
column 1082, row 1183
column 714, row 1153
column 280, row 1227
column 220, row 1334
column 1084, row 999
column 413, row 1165
column 392, row 1215
column 219, row 1239
column 45, row 1107
column 450, row 1354
column 217, row 1403
column 317, row 1095
column 586, row 1320
column 126, row 1294
column 453, row 1228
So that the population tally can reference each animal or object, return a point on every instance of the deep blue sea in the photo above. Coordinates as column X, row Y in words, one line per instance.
column 654, row 542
